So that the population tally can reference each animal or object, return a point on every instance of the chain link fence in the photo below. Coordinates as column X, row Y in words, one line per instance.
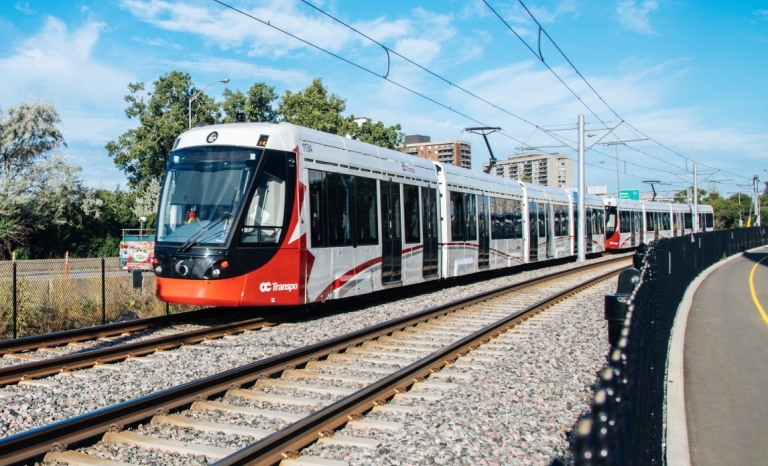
column 43, row 296
column 626, row 422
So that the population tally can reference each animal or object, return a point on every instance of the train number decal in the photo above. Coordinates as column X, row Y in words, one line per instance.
column 306, row 147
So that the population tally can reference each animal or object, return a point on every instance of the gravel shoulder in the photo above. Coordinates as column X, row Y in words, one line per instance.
column 63, row 396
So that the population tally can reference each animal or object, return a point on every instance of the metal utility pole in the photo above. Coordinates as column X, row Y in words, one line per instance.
column 580, row 243
column 484, row 131
column 695, row 198
column 616, row 145
column 756, row 190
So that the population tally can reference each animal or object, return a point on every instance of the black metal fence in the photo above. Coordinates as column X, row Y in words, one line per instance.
column 43, row 296
column 626, row 425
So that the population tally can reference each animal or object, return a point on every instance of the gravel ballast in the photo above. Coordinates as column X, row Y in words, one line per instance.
column 29, row 406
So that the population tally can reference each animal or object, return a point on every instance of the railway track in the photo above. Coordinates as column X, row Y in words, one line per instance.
column 29, row 358
column 398, row 359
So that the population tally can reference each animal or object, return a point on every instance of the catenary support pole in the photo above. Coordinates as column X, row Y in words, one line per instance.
column 581, row 244
column 695, row 198
column 757, row 201
column 15, row 300
column 103, row 293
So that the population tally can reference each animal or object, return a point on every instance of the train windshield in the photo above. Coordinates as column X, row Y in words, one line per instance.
column 203, row 190
column 610, row 222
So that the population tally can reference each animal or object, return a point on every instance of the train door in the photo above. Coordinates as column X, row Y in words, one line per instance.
column 549, row 227
column 484, row 240
column 633, row 228
column 533, row 223
column 429, row 231
column 391, row 237
column 590, row 227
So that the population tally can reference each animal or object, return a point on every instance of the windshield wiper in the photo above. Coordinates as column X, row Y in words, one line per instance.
column 194, row 238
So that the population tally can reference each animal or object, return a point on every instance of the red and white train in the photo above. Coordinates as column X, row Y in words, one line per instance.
column 275, row 214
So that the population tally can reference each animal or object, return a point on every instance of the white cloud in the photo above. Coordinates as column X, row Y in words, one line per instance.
column 761, row 14
column 234, row 69
column 157, row 43
column 24, row 8
column 57, row 64
column 636, row 17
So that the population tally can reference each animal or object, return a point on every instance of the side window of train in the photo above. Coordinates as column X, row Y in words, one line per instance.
column 366, row 211
column 457, row 216
column 412, row 218
column 557, row 229
column 688, row 220
column 564, row 220
column 264, row 217
column 316, row 209
column 710, row 220
column 497, row 218
column 339, row 191
column 517, row 208
column 470, row 202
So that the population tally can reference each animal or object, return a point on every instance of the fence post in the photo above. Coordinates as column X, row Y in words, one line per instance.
column 167, row 309
column 103, row 294
column 66, row 264
column 15, row 315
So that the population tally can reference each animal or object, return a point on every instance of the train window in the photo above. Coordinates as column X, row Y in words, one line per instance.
column 533, row 223
column 667, row 221
column 557, row 220
column 543, row 220
column 517, row 209
column 564, row 220
column 339, row 193
column 497, row 218
column 264, row 218
column 510, row 217
column 623, row 222
column 610, row 223
column 471, row 217
column 366, row 211
column 688, row 221
column 649, row 221
column 710, row 221
column 457, row 216
column 316, row 208
column 412, row 218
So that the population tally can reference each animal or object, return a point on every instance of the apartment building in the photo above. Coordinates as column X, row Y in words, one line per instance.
column 554, row 170
column 456, row 152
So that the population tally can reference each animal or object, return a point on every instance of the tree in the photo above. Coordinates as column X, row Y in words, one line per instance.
column 257, row 104
column 314, row 108
column 375, row 133
column 37, row 184
column 143, row 153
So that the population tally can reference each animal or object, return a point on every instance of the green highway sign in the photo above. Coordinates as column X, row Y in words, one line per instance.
column 633, row 194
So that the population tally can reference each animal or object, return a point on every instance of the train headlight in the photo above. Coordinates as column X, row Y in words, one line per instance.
column 182, row 268
column 158, row 269
column 215, row 273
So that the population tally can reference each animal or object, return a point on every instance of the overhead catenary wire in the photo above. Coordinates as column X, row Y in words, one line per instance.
column 541, row 58
column 450, row 83
column 367, row 70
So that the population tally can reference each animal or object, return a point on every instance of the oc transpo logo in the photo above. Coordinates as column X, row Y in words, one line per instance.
column 266, row 287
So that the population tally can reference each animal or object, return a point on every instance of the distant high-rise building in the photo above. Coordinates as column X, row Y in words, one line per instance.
column 456, row 152
column 554, row 170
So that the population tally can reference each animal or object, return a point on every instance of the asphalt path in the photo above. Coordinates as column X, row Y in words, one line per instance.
column 726, row 365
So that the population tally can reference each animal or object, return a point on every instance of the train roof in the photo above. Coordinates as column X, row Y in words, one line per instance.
column 489, row 184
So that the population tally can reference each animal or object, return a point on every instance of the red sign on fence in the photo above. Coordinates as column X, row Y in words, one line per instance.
column 136, row 255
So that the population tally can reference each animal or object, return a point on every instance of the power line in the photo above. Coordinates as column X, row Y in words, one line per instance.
column 541, row 58
column 367, row 70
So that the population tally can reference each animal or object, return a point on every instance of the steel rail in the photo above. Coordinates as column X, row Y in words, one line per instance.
column 80, row 360
column 274, row 448
column 28, row 445
column 92, row 333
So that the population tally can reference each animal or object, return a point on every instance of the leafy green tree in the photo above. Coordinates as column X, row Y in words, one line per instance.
column 37, row 184
column 143, row 153
column 258, row 104
column 314, row 107
column 375, row 133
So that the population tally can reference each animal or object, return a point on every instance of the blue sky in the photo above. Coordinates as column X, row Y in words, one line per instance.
column 689, row 74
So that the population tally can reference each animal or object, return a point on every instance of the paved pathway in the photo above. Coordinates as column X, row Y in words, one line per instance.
column 726, row 365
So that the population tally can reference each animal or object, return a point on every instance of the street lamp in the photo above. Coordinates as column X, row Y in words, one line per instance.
column 224, row 80
column 142, row 221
